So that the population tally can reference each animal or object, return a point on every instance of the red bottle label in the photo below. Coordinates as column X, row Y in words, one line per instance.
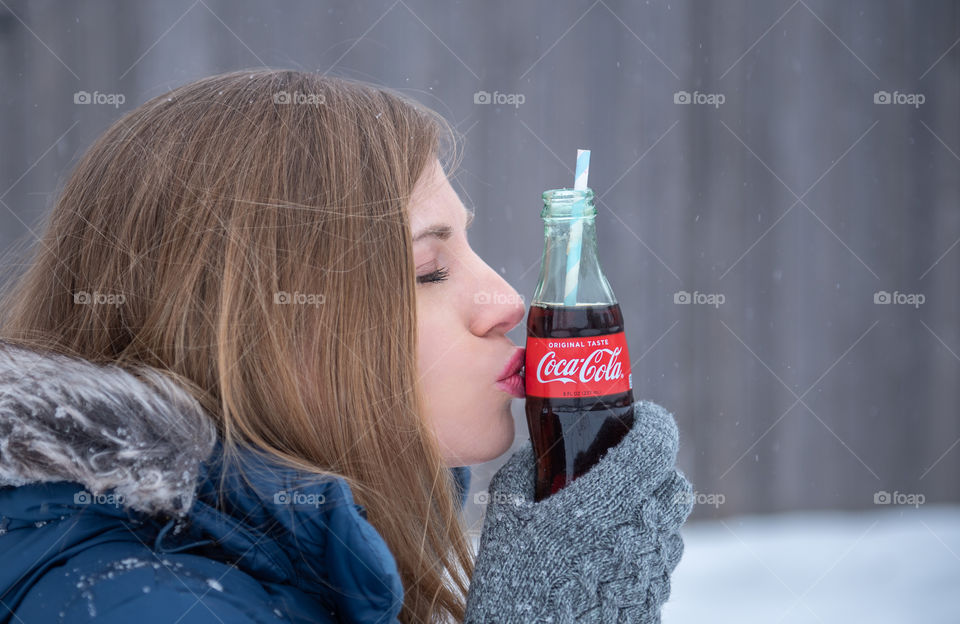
column 593, row 366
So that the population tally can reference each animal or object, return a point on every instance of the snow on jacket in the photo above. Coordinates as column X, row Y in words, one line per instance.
column 108, row 485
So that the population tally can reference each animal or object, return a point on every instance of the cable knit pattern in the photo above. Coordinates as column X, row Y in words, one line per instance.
column 600, row 550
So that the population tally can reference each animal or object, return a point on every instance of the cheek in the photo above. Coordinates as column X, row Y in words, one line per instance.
column 445, row 367
column 439, row 351
column 435, row 330
column 471, row 420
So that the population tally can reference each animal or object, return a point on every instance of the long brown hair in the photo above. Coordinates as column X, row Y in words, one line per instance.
column 249, row 234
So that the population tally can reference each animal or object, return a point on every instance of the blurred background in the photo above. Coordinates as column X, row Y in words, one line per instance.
column 779, row 216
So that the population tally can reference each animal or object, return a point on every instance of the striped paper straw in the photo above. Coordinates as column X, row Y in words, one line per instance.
column 572, row 277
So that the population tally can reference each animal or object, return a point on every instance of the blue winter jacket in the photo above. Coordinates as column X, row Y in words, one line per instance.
column 108, row 512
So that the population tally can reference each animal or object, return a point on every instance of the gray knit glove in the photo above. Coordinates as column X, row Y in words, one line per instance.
column 600, row 550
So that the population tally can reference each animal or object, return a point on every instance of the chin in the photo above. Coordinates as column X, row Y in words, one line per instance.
column 501, row 443
column 496, row 440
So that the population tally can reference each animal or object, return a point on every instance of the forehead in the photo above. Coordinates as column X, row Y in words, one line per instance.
column 434, row 201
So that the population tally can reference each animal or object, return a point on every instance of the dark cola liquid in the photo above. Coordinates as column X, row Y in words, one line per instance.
column 571, row 435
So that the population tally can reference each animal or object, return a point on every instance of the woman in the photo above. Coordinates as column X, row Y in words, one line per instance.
column 238, row 385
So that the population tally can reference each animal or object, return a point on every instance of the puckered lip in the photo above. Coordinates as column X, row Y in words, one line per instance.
column 514, row 364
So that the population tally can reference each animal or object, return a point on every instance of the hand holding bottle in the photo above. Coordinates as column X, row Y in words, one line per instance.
column 599, row 550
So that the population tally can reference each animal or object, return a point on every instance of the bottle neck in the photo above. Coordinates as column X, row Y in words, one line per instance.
column 570, row 215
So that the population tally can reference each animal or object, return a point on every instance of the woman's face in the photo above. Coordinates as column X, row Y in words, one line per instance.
column 462, row 323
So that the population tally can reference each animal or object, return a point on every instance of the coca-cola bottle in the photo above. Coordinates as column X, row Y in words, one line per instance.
column 579, row 389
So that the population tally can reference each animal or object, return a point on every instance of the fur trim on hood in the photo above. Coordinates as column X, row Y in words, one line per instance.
column 63, row 418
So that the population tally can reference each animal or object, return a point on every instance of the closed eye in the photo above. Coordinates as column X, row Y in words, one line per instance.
column 437, row 276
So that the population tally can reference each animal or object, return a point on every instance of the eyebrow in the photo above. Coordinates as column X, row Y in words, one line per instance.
column 442, row 231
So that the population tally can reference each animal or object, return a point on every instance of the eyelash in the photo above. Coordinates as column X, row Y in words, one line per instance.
column 437, row 276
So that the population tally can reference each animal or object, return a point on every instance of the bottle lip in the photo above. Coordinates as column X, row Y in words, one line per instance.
column 567, row 195
column 559, row 203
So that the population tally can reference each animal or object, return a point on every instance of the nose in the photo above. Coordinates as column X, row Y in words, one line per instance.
column 498, row 307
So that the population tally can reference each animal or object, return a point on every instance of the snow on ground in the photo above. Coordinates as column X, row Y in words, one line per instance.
column 896, row 565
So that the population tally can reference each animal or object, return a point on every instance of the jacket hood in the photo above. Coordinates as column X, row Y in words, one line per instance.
column 67, row 419
column 91, row 452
